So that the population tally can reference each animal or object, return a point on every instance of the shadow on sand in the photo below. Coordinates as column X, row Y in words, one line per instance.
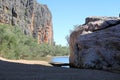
column 18, row 71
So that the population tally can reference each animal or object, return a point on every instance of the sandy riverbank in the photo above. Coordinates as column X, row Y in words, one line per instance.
column 41, row 70
column 27, row 61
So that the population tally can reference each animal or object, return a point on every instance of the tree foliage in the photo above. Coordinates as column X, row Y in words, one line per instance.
column 15, row 45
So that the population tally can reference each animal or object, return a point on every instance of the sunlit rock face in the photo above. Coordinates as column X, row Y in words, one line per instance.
column 96, row 44
column 33, row 18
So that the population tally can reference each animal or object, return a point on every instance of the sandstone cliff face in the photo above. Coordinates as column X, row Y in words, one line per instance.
column 33, row 18
column 96, row 44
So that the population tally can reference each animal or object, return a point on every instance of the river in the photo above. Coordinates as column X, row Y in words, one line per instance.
column 60, row 59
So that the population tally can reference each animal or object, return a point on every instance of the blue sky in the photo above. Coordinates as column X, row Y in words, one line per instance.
column 67, row 13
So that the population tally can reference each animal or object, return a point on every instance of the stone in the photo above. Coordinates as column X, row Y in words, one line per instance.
column 30, row 16
column 96, row 44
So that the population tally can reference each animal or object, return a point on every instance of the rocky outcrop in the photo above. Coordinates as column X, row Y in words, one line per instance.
column 96, row 44
column 33, row 18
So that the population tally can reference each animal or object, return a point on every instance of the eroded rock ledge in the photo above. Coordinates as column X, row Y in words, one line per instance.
column 96, row 44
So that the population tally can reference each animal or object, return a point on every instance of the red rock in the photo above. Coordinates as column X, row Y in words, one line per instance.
column 34, row 19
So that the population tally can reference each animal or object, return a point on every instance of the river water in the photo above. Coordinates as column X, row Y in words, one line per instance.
column 61, row 59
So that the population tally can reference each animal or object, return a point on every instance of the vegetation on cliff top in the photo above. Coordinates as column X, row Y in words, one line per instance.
column 15, row 45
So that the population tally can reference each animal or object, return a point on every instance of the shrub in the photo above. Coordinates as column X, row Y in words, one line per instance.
column 15, row 45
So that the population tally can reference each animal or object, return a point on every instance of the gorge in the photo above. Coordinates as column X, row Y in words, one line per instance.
column 33, row 18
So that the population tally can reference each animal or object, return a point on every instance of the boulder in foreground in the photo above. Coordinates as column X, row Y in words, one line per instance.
column 96, row 44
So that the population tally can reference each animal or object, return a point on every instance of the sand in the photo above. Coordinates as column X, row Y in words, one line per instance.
column 41, row 70
column 27, row 61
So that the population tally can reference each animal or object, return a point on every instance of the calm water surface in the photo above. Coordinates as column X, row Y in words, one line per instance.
column 61, row 59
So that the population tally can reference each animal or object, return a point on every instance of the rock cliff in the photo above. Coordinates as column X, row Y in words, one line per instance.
column 34, row 19
column 96, row 44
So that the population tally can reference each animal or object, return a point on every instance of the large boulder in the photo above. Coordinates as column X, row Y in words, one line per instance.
column 96, row 44
column 33, row 18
